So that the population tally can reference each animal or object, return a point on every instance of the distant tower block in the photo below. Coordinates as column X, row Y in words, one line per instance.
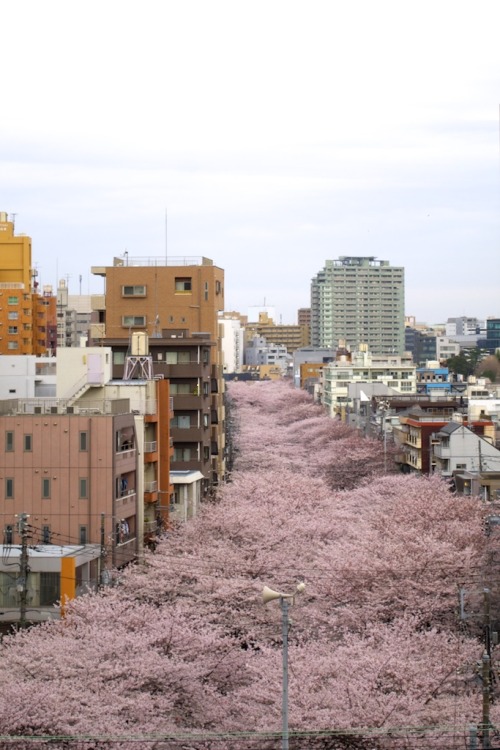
column 139, row 363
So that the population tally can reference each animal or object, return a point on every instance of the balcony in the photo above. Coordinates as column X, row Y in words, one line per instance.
column 186, row 435
column 125, row 502
column 151, row 452
column 98, row 302
column 187, row 401
column 151, row 491
column 97, row 330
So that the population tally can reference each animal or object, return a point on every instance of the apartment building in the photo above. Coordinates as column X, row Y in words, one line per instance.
column 291, row 337
column 170, row 300
column 73, row 469
column 394, row 371
column 27, row 316
column 85, row 381
column 184, row 362
column 74, row 312
column 360, row 300
column 232, row 335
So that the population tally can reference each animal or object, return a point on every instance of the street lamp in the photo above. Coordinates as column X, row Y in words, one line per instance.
column 268, row 595
column 384, row 405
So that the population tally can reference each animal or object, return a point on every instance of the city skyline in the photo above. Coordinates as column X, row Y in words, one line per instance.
column 270, row 139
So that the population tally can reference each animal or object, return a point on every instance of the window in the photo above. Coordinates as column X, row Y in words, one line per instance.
column 205, row 420
column 138, row 290
column 13, row 300
column 82, row 488
column 178, row 358
column 8, row 534
column 183, row 422
column 183, row 285
column 9, row 440
column 118, row 358
column 84, row 446
column 45, row 534
column 206, row 291
column 9, row 488
column 83, row 535
column 13, row 329
column 12, row 345
column 45, row 488
column 180, row 388
column 182, row 454
column 134, row 321
column 50, row 588
column 13, row 315
column 206, row 453
column 28, row 443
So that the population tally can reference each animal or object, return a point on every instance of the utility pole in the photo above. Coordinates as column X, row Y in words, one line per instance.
column 22, row 581
column 486, row 672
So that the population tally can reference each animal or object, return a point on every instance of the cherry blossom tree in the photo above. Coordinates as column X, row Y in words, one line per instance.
column 183, row 652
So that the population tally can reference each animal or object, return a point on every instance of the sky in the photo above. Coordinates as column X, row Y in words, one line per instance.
column 267, row 136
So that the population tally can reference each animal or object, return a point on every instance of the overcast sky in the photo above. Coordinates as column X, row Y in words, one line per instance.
column 274, row 134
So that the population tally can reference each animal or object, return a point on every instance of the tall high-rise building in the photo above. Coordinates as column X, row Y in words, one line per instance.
column 359, row 300
column 27, row 317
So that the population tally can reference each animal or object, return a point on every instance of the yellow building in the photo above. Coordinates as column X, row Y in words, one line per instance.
column 27, row 318
column 292, row 337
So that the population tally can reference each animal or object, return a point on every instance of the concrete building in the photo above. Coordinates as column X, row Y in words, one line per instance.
column 464, row 326
column 492, row 341
column 232, row 335
column 73, row 470
column 396, row 372
column 259, row 351
column 169, row 299
column 184, row 362
column 187, row 497
column 432, row 378
column 422, row 345
column 27, row 317
column 56, row 573
column 74, row 312
column 291, row 337
column 446, row 347
column 28, row 376
column 360, row 300
column 310, row 355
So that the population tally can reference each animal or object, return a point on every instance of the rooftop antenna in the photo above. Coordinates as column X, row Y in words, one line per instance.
column 166, row 237
column 80, row 283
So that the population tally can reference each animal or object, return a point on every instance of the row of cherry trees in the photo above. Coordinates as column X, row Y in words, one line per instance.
column 183, row 653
